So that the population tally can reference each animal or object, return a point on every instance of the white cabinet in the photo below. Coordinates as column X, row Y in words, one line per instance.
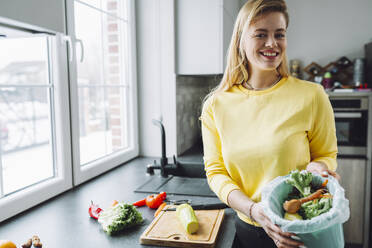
column 203, row 34
column 353, row 180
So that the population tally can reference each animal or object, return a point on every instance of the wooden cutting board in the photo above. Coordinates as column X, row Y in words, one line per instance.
column 166, row 230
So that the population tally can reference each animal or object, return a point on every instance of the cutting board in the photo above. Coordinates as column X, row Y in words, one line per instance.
column 166, row 230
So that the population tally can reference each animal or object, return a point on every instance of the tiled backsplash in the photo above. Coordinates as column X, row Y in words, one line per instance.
column 190, row 92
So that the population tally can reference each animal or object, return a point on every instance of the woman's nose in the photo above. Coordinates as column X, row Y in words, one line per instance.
column 270, row 42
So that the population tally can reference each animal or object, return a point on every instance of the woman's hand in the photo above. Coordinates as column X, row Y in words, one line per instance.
column 281, row 239
column 321, row 169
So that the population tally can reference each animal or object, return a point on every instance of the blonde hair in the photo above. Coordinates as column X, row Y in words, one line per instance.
column 236, row 71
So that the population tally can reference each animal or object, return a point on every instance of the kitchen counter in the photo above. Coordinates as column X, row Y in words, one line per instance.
column 63, row 221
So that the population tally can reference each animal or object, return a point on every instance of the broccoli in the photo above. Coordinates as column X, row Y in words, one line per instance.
column 301, row 181
column 317, row 207
column 118, row 217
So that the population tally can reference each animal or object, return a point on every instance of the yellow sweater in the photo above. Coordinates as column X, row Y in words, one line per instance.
column 251, row 137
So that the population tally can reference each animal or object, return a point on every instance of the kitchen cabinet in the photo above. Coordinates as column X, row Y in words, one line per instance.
column 353, row 173
column 203, row 33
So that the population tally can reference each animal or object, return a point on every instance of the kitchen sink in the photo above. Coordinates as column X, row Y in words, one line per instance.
column 185, row 176
column 176, row 185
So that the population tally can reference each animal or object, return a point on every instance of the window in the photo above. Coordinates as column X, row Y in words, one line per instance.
column 34, row 155
column 26, row 112
column 103, row 86
column 67, row 109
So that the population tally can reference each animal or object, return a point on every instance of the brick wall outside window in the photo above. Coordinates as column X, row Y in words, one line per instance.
column 114, row 76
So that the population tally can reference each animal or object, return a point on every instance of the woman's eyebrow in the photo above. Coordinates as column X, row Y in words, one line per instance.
column 265, row 30
column 261, row 30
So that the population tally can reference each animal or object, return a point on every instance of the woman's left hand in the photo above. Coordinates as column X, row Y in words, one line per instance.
column 322, row 169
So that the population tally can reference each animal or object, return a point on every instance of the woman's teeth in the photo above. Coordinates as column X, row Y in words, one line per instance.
column 269, row 54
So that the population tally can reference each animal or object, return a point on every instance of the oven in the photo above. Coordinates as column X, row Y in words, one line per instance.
column 351, row 118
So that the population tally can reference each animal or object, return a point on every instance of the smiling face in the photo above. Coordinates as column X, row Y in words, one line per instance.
column 265, row 42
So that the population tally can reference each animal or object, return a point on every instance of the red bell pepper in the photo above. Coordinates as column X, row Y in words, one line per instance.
column 94, row 210
column 148, row 200
column 140, row 203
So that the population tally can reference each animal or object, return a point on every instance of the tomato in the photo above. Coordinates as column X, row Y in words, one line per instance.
column 163, row 195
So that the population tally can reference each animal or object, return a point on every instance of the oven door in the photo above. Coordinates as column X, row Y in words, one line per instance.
column 351, row 132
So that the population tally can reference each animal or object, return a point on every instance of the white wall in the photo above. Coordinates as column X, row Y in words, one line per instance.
column 324, row 30
column 156, row 77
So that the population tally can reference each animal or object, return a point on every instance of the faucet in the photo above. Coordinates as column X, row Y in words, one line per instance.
column 164, row 166
column 178, row 168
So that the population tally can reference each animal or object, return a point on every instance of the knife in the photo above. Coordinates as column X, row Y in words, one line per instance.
column 203, row 207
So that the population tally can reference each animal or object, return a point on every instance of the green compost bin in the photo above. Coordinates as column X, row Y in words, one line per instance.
column 323, row 231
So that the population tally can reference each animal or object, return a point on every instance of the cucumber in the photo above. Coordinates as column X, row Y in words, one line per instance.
column 186, row 216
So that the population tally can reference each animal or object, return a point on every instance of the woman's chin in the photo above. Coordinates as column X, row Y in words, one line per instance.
column 271, row 67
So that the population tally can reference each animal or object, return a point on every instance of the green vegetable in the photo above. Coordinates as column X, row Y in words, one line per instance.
column 301, row 181
column 119, row 217
column 187, row 217
column 317, row 207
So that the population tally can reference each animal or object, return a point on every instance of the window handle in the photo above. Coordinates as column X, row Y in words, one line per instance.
column 81, row 49
column 67, row 39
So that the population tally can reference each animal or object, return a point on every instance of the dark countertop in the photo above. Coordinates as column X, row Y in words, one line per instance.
column 63, row 221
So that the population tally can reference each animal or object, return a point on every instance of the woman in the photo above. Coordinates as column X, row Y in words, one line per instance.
column 260, row 123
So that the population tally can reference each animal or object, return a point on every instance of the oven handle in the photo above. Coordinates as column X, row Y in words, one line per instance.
column 348, row 115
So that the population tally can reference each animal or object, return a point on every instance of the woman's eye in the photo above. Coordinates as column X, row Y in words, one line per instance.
column 280, row 36
column 260, row 35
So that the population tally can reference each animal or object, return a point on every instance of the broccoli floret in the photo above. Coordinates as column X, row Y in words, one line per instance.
column 317, row 207
column 119, row 217
column 324, row 205
column 301, row 180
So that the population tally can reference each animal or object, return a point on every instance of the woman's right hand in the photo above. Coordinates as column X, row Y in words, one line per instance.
column 280, row 238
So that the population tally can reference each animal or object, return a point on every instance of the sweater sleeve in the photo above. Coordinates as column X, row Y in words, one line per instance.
column 218, row 178
column 322, row 136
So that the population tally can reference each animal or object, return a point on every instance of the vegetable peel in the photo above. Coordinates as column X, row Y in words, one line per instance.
column 314, row 207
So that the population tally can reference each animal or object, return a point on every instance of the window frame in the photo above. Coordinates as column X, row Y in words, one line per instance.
column 63, row 74
column 101, row 165
column 32, row 195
